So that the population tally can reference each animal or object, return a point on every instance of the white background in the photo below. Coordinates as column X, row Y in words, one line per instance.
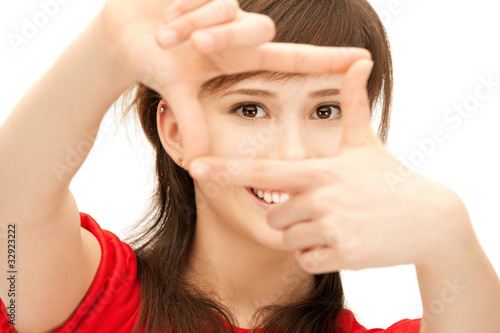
column 441, row 49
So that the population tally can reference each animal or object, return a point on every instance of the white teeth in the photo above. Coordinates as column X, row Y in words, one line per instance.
column 271, row 197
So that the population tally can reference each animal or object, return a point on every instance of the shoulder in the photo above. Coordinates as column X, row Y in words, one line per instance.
column 114, row 251
column 347, row 322
column 112, row 302
column 118, row 265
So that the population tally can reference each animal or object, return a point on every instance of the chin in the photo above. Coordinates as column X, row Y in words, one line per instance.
column 269, row 238
column 245, row 214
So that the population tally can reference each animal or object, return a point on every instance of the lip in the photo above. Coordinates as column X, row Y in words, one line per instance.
column 262, row 203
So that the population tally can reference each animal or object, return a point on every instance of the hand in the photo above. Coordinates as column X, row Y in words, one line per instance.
column 135, row 33
column 342, row 212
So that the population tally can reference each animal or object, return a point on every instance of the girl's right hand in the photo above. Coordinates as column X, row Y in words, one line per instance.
column 166, row 53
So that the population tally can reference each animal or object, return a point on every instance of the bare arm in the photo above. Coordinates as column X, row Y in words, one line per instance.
column 460, row 289
column 43, row 143
column 53, row 127
column 354, row 219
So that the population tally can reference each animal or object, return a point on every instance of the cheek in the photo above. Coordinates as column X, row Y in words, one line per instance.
column 231, row 140
column 228, row 139
column 223, row 141
column 325, row 140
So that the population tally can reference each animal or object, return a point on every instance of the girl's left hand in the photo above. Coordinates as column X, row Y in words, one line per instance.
column 360, row 208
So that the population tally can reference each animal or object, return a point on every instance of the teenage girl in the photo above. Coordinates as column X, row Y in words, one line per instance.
column 269, row 179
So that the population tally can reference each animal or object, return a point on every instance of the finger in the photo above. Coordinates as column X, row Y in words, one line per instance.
column 306, row 235
column 184, row 103
column 207, row 15
column 293, row 58
column 256, row 29
column 179, row 7
column 356, row 115
column 319, row 260
column 296, row 176
column 296, row 209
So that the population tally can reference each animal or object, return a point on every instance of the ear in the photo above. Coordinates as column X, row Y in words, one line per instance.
column 168, row 130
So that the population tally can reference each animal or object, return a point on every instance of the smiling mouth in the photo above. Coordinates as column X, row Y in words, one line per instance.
column 270, row 196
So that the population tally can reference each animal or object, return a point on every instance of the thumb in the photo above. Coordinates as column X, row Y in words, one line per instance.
column 185, row 105
column 356, row 113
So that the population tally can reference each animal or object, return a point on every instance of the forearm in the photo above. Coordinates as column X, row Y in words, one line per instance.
column 48, row 135
column 461, row 293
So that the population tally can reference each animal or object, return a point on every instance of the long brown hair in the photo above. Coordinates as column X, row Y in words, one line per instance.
column 164, row 235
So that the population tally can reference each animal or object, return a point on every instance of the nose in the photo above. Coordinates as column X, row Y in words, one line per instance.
column 290, row 142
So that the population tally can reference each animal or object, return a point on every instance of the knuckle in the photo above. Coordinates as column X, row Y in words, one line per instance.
column 230, row 3
column 299, row 60
column 327, row 231
column 189, row 5
column 191, row 22
column 320, row 201
column 348, row 251
column 222, row 40
column 226, row 38
column 268, row 26
column 329, row 174
column 316, row 202
column 180, row 5
column 185, row 26
column 329, row 236
column 225, row 9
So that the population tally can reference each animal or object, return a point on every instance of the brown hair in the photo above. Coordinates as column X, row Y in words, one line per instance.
column 163, row 244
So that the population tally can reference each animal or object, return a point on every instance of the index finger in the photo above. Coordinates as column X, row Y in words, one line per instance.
column 294, row 176
column 179, row 7
column 295, row 58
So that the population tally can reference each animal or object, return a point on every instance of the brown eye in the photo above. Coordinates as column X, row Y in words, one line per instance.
column 327, row 111
column 251, row 111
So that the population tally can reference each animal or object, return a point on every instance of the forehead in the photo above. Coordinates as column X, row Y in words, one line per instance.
column 273, row 81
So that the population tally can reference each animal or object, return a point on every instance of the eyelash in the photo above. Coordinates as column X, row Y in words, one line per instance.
column 251, row 119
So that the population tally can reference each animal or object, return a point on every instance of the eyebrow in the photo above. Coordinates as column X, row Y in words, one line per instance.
column 269, row 94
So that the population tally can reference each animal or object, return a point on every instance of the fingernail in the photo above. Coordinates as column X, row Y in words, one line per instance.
column 168, row 37
column 371, row 64
column 204, row 41
column 354, row 53
column 366, row 53
column 172, row 16
column 199, row 169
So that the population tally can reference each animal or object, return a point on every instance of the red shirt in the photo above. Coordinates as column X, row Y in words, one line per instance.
column 112, row 302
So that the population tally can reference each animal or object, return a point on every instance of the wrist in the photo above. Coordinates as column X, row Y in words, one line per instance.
column 104, row 57
column 452, row 237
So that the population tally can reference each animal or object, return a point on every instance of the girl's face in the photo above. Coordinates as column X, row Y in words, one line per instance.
column 294, row 119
